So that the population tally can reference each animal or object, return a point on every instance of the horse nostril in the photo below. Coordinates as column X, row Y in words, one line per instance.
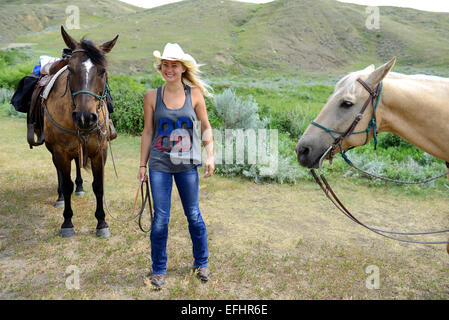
column 303, row 151
column 93, row 118
column 75, row 116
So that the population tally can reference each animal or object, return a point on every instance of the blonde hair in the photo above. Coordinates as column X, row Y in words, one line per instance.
column 190, row 77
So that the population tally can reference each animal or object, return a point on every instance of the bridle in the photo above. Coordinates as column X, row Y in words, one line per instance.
column 83, row 134
column 321, row 180
column 374, row 96
column 101, row 98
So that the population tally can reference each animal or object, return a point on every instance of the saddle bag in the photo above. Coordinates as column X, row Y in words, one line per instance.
column 21, row 100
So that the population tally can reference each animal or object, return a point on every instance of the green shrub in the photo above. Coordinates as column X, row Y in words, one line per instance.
column 128, row 95
column 128, row 113
column 237, row 113
column 14, row 65
column 151, row 81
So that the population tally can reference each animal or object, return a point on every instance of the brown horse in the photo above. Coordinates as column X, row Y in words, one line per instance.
column 77, row 123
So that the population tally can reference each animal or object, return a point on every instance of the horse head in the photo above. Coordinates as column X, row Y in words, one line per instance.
column 87, row 78
column 350, row 95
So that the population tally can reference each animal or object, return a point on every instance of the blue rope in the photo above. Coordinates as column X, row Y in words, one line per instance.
column 106, row 91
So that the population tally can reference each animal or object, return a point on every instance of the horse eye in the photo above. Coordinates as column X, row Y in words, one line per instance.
column 347, row 104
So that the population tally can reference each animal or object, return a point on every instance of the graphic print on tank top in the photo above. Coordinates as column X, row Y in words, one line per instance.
column 176, row 137
column 175, row 145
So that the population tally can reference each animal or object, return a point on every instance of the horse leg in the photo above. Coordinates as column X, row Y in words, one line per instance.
column 62, row 164
column 60, row 202
column 97, row 186
column 79, row 191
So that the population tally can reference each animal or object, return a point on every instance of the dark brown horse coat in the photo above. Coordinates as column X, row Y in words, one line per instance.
column 76, row 113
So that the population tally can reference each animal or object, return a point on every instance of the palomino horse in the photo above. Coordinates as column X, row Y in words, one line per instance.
column 411, row 106
column 76, row 123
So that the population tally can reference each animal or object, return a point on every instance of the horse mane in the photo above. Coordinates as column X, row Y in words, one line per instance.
column 396, row 75
column 94, row 53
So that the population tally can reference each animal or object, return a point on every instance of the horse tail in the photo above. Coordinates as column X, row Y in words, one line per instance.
column 88, row 166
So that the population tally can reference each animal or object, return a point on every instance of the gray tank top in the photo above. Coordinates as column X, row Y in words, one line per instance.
column 176, row 145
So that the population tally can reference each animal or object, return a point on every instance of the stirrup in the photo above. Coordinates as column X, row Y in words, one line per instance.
column 30, row 136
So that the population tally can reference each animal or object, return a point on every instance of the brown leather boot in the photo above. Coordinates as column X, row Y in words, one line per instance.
column 112, row 132
column 203, row 273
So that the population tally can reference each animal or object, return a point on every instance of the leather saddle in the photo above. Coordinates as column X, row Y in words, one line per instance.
column 35, row 116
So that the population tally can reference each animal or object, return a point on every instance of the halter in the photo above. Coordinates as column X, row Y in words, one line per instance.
column 106, row 89
column 83, row 134
column 374, row 99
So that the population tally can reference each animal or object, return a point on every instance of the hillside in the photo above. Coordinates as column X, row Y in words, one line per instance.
column 22, row 18
column 284, row 36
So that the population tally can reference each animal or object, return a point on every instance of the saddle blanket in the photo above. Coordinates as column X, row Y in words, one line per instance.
column 51, row 83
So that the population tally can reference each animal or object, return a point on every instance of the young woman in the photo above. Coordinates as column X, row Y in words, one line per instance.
column 171, row 146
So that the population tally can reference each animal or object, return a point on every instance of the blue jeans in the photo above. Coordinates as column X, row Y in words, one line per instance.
column 187, row 183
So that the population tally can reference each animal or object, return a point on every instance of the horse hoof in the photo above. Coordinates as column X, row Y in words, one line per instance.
column 79, row 193
column 103, row 233
column 67, row 232
column 59, row 204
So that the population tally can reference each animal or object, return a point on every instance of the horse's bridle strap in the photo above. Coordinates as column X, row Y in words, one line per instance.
column 330, row 194
column 371, row 99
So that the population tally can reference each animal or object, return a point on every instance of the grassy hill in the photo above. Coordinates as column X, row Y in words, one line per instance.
column 284, row 36
column 30, row 19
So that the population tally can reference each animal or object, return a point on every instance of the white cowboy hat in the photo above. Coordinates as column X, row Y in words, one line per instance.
column 173, row 52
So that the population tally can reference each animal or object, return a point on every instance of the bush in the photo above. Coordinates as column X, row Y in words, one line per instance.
column 153, row 80
column 128, row 95
column 14, row 65
column 237, row 113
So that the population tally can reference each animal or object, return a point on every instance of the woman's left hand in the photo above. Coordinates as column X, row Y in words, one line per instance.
column 210, row 167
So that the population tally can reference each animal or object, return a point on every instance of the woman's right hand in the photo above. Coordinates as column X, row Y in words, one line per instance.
column 142, row 175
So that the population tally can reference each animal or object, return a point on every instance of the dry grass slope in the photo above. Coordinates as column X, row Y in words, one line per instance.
column 284, row 36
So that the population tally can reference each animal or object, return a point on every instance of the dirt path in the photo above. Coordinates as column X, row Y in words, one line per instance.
column 266, row 241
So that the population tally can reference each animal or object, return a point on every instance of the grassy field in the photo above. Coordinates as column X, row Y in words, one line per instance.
column 266, row 241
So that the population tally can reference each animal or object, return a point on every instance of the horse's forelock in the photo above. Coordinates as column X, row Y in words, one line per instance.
column 347, row 83
column 94, row 53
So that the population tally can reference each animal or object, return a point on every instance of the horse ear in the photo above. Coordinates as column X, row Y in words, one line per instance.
column 379, row 74
column 69, row 41
column 370, row 68
column 107, row 46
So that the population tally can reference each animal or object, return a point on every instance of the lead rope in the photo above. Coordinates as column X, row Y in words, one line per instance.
column 145, row 198
column 339, row 205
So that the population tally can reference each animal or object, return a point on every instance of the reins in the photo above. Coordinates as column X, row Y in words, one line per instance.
column 83, row 136
column 329, row 192
column 144, row 198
